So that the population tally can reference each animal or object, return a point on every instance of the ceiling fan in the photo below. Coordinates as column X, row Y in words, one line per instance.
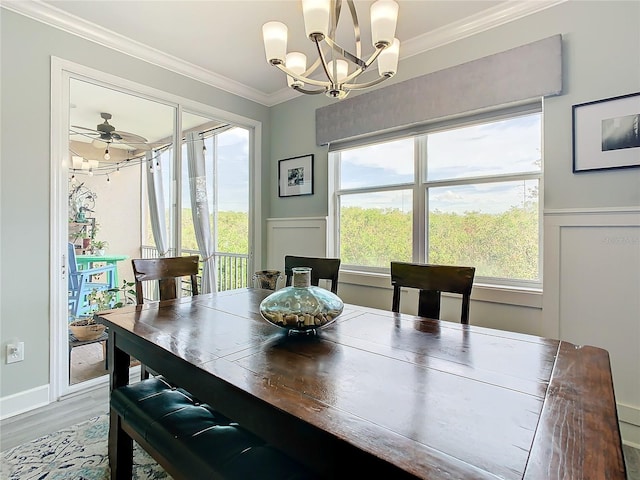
column 107, row 134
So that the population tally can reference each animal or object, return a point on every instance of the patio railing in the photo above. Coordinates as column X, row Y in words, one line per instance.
column 231, row 271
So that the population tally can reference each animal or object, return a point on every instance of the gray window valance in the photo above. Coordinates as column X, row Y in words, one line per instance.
column 516, row 75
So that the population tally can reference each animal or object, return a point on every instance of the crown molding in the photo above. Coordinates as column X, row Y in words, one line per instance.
column 480, row 22
column 74, row 25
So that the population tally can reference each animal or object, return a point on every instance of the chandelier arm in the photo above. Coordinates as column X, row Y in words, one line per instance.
column 324, row 62
column 368, row 63
column 309, row 92
column 312, row 68
column 346, row 54
column 310, row 81
column 359, row 86
column 356, row 27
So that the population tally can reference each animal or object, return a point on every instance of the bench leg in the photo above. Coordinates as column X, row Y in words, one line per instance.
column 120, row 449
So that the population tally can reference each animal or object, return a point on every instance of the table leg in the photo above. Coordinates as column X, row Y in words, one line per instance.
column 120, row 444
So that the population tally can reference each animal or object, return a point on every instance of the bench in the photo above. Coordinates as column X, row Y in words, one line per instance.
column 192, row 441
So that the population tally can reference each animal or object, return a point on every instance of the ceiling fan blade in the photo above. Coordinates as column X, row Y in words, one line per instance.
column 141, row 146
column 85, row 128
column 127, row 137
column 99, row 143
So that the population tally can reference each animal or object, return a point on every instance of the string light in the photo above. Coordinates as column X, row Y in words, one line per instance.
column 106, row 154
column 108, row 179
column 91, row 172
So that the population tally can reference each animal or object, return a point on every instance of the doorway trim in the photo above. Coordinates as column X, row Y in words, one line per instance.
column 61, row 73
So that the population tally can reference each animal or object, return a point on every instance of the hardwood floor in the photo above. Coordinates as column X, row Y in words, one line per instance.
column 88, row 362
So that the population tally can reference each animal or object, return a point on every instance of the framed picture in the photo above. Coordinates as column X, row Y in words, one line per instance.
column 606, row 134
column 295, row 176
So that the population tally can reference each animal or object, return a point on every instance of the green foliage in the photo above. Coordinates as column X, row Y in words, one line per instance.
column 100, row 300
column 501, row 245
column 371, row 237
column 232, row 231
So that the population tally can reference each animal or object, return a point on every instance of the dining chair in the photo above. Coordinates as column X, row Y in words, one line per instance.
column 82, row 282
column 168, row 272
column 432, row 280
column 321, row 269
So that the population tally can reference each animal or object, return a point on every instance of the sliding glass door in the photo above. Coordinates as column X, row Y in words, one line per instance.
column 165, row 177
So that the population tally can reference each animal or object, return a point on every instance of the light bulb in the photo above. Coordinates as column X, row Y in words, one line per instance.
column 106, row 154
column 91, row 172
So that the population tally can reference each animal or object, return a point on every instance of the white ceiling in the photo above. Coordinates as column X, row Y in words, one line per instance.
column 220, row 41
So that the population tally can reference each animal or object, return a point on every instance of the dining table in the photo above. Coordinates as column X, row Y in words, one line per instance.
column 381, row 393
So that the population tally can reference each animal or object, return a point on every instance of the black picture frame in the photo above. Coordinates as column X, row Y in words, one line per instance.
column 606, row 134
column 295, row 176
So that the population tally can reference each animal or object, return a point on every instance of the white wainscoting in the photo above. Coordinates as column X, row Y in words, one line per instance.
column 592, row 294
column 591, row 289
column 304, row 236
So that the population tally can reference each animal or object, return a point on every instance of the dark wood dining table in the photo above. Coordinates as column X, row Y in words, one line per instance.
column 382, row 393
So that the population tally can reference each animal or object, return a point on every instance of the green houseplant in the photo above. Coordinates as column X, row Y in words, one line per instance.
column 85, row 327
column 98, row 247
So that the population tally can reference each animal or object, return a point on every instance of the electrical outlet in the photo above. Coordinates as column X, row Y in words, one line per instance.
column 15, row 352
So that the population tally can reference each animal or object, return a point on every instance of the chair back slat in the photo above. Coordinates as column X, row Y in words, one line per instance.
column 432, row 280
column 321, row 269
column 168, row 272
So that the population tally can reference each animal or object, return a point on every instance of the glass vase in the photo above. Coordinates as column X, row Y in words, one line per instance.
column 301, row 307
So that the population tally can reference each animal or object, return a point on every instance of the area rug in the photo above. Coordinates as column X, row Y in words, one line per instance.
column 78, row 452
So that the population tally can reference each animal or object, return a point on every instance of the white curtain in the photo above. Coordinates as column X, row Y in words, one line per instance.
column 155, row 191
column 200, row 210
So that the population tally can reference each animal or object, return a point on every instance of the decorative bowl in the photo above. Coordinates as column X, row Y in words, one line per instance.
column 301, row 309
column 85, row 329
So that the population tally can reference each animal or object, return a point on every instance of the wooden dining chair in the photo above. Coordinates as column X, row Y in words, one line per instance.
column 169, row 273
column 321, row 269
column 432, row 280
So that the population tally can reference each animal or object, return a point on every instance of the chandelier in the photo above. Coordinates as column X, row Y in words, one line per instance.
column 340, row 67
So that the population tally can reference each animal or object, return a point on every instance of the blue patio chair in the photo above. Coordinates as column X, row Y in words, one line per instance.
column 82, row 283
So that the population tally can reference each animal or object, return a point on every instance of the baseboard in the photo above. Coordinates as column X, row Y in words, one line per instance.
column 38, row 397
column 25, row 401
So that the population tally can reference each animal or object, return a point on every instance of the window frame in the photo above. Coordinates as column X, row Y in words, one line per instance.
column 420, row 187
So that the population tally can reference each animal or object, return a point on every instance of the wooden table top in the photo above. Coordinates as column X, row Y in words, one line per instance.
column 388, row 393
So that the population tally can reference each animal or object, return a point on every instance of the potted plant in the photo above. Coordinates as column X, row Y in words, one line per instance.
column 98, row 247
column 85, row 327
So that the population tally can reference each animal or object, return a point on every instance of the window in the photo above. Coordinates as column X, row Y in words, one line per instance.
column 464, row 193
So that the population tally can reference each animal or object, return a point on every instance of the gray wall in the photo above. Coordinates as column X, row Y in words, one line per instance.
column 26, row 49
column 601, row 59
column 601, row 44
column 601, row 51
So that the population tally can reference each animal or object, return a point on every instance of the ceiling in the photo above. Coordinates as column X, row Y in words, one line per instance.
column 220, row 41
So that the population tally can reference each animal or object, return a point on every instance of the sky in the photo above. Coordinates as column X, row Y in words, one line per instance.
column 502, row 147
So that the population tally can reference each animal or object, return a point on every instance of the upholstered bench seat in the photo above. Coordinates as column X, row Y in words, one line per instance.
column 193, row 441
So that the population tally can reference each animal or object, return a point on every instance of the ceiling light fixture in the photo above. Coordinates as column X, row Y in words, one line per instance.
column 321, row 21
